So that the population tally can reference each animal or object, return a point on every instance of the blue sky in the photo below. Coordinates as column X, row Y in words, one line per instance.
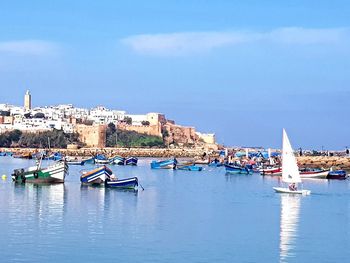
column 241, row 69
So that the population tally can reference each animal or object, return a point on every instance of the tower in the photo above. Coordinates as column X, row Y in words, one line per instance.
column 27, row 101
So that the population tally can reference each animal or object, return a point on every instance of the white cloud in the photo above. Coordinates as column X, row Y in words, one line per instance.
column 183, row 43
column 29, row 47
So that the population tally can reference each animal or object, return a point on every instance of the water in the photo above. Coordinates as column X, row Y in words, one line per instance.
column 180, row 217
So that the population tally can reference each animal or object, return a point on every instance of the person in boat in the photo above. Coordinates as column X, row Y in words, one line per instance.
column 293, row 187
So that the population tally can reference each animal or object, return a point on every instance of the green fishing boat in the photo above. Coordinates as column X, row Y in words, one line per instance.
column 54, row 173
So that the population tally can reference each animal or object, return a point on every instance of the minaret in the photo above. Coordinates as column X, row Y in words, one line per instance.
column 27, row 101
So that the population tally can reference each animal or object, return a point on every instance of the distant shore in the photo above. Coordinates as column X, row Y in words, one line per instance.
column 125, row 152
column 325, row 162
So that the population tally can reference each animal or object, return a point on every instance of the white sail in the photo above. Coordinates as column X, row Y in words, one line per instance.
column 290, row 171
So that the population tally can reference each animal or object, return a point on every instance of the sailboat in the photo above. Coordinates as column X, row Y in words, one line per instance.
column 290, row 171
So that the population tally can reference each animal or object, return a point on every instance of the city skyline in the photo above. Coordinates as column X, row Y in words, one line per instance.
column 241, row 70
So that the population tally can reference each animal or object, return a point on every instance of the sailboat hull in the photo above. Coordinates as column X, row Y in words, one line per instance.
column 287, row 191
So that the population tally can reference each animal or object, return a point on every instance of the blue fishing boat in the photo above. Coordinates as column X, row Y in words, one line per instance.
column 54, row 157
column 74, row 161
column 96, row 176
column 89, row 160
column 338, row 174
column 191, row 167
column 234, row 169
column 101, row 159
column 215, row 163
column 167, row 164
column 117, row 160
column 131, row 161
column 5, row 153
column 129, row 183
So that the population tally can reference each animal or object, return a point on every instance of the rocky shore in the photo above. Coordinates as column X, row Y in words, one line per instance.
column 324, row 162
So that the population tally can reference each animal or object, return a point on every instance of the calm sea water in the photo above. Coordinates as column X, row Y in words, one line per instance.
column 180, row 217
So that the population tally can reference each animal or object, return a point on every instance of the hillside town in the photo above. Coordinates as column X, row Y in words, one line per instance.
column 91, row 124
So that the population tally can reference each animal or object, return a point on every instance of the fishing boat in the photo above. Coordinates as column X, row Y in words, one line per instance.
column 53, row 157
column 313, row 173
column 131, row 161
column 290, row 171
column 201, row 161
column 167, row 164
column 54, row 173
column 5, row 153
column 117, row 160
column 215, row 163
column 338, row 174
column 23, row 156
column 273, row 171
column 74, row 160
column 235, row 169
column 101, row 159
column 89, row 160
column 129, row 183
column 96, row 177
column 189, row 167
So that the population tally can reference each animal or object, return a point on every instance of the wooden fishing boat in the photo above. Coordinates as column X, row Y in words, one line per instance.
column 23, row 156
column 89, row 160
column 199, row 161
column 215, row 163
column 96, row 177
column 5, row 153
column 101, row 159
column 54, row 173
column 235, row 169
column 290, row 171
column 117, row 160
column 131, row 161
column 129, row 183
column 53, row 157
column 167, row 164
column 313, row 173
column 189, row 167
column 338, row 174
column 274, row 171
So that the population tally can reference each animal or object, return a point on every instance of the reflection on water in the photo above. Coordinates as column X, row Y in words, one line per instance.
column 290, row 207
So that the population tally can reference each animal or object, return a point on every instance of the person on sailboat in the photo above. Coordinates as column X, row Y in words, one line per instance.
column 293, row 187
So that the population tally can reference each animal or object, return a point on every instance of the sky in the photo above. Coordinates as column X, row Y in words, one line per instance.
column 240, row 69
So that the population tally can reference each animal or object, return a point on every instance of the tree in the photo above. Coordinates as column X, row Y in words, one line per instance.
column 39, row 115
column 128, row 120
column 4, row 113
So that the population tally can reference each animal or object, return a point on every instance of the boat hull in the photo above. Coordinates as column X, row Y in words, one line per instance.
column 168, row 164
column 53, row 174
column 131, row 161
column 129, row 183
column 118, row 160
column 271, row 171
column 193, row 168
column 340, row 175
column 288, row 191
column 237, row 170
column 320, row 175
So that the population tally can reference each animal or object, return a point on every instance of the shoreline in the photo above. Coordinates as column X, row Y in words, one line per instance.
column 326, row 162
